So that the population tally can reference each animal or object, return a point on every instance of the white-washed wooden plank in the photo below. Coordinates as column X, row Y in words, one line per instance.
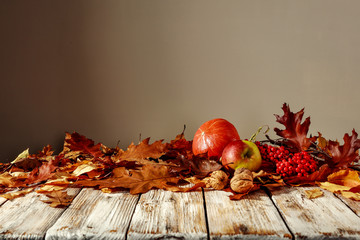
column 2, row 200
column 354, row 205
column 253, row 217
column 96, row 215
column 28, row 217
column 319, row 218
column 167, row 215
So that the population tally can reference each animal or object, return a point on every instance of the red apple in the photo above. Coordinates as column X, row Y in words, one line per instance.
column 241, row 154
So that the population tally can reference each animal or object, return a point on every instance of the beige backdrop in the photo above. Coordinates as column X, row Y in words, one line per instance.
column 114, row 69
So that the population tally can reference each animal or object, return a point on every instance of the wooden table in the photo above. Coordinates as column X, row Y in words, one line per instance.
column 278, row 214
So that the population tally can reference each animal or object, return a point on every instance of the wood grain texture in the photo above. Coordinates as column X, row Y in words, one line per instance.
column 319, row 218
column 28, row 217
column 253, row 217
column 354, row 205
column 2, row 200
column 97, row 215
column 167, row 215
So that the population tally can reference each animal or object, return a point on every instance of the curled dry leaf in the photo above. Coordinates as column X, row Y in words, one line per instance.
column 345, row 177
column 16, row 194
column 351, row 195
column 84, row 168
column 313, row 193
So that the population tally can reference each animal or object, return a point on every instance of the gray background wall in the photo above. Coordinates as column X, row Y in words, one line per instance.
column 114, row 69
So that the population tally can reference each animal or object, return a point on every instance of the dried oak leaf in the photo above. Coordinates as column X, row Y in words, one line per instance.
column 142, row 151
column 295, row 132
column 58, row 199
column 79, row 143
column 137, row 181
column 343, row 155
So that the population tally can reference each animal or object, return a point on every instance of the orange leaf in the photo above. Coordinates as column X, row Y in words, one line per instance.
column 142, row 151
column 77, row 142
column 346, row 177
column 16, row 194
column 332, row 187
column 314, row 193
column 138, row 181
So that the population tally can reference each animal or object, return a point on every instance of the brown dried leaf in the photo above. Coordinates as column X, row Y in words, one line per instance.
column 142, row 151
column 138, row 181
column 351, row 195
column 16, row 194
column 344, row 155
column 314, row 193
column 58, row 199
column 295, row 132
column 42, row 173
column 332, row 187
column 77, row 142
column 345, row 177
column 7, row 180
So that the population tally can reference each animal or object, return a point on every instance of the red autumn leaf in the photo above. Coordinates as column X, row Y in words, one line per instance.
column 45, row 152
column 295, row 132
column 317, row 176
column 180, row 144
column 77, row 142
column 142, row 151
column 343, row 155
column 43, row 173
column 138, row 181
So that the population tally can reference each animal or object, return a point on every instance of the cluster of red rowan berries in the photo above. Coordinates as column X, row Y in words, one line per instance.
column 287, row 163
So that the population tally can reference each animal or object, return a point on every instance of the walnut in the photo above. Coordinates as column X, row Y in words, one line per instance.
column 242, row 180
column 217, row 180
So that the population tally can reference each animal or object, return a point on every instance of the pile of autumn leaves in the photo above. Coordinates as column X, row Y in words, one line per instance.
column 169, row 166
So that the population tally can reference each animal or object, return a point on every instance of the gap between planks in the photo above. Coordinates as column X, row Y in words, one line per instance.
column 165, row 215
column 323, row 217
column 94, row 214
column 253, row 217
column 28, row 217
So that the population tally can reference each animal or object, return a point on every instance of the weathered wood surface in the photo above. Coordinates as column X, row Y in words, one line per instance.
column 157, row 214
column 95, row 215
column 2, row 200
column 320, row 218
column 254, row 217
column 354, row 205
column 165, row 215
column 28, row 217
